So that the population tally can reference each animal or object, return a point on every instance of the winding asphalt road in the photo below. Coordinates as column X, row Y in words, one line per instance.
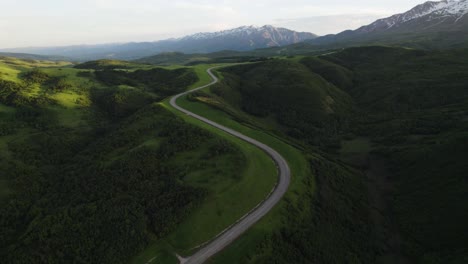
column 228, row 236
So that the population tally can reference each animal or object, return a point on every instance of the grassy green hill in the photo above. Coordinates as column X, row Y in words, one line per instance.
column 89, row 161
column 402, row 116
column 25, row 56
column 109, row 65
column 171, row 58
column 302, row 219
column 400, row 80
column 228, row 56
column 302, row 103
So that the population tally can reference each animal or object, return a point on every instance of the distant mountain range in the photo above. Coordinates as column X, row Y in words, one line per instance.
column 432, row 25
column 26, row 56
column 238, row 39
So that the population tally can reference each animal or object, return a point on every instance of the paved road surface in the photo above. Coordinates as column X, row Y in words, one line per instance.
column 228, row 236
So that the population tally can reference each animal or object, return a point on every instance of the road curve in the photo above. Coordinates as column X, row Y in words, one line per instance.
column 228, row 236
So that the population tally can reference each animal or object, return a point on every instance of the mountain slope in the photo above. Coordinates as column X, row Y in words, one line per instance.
column 430, row 16
column 432, row 24
column 244, row 38
column 302, row 103
column 238, row 39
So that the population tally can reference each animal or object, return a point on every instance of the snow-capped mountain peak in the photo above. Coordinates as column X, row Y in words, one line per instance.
column 446, row 7
column 431, row 24
column 244, row 38
column 453, row 9
column 236, row 31
column 243, row 31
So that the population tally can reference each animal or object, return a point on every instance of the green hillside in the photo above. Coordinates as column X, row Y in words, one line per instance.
column 25, row 56
column 228, row 56
column 399, row 80
column 303, row 103
column 171, row 58
column 88, row 163
column 376, row 138
column 401, row 115
column 416, row 105
column 312, row 213
column 108, row 65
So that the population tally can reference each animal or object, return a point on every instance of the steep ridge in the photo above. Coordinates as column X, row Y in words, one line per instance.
column 428, row 16
column 431, row 24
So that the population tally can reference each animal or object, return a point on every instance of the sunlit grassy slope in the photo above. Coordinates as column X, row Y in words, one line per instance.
column 295, row 158
column 86, row 103
column 68, row 108
column 230, row 199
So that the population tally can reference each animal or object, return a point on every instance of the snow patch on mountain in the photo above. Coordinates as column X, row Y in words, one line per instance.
column 236, row 32
column 432, row 10
column 247, row 30
column 458, row 8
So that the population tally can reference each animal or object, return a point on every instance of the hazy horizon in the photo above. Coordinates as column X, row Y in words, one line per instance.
column 62, row 23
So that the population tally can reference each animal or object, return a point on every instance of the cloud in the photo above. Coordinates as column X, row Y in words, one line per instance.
column 210, row 9
column 138, row 7
column 189, row 5
column 113, row 4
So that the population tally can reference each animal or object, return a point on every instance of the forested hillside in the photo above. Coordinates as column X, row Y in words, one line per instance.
column 401, row 118
column 90, row 169
column 91, row 159
column 416, row 107
column 305, row 105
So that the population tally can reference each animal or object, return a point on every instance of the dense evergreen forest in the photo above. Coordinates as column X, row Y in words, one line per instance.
column 99, row 188
column 307, row 107
column 398, row 198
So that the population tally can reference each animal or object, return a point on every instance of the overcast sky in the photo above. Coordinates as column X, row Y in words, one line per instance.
column 26, row 23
